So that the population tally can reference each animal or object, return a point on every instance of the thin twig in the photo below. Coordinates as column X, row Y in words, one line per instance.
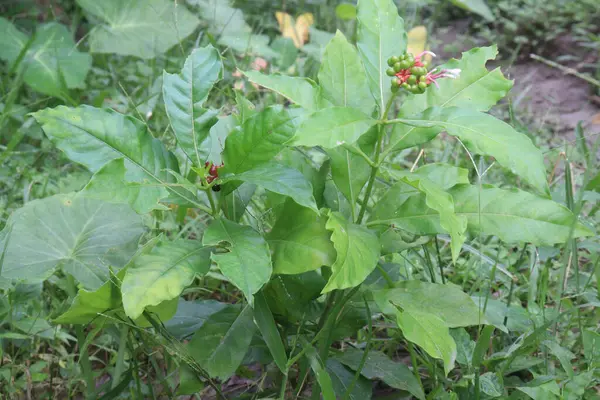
column 566, row 70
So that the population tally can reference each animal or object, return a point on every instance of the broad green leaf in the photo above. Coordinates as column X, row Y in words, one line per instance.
column 12, row 41
column 444, row 175
column 299, row 241
column 72, row 232
column 220, row 344
column 258, row 140
column 379, row 366
column 141, row 28
column 563, row 355
column 279, row 179
column 491, row 384
column 575, row 388
column 162, row 274
column 266, row 324
column 319, row 370
column 484, row 134
column 185, row 94
column 235, row 203
column 52, row 64
column 189, row 383
column 477, row 88
column 302, row 91
column 464, row 346
column 332, row 127
column 109, row 184
column 341, row 379
column 247, row 262
column 349, row 171
column 215, row 142
column 476, row 6
column 357, row 253
column 380, row 35
column 591, row 346
column 292, row 296
column 93, row 137
column 191, row 315
column 447, row 302
column 430, row 333
column 342, row 76
column 547, row 391
column 346, row 11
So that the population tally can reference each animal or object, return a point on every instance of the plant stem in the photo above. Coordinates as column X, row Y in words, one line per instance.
column 120, row 365
column 86, row 366
column 363, row 360
column 413, row 360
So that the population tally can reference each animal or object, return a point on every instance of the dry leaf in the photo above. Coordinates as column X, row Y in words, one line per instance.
column 596, row 119
column 417, row 39
column 298, row 30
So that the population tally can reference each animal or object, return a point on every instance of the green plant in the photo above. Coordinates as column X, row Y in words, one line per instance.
column 304, row 212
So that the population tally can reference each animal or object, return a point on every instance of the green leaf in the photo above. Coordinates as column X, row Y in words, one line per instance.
column 484, row 134
column 341, row 379
column 247, row 262
column 302, row 91
column 477, row 88
column 342, row 76
column 346, row 11
column 191, row 315
column 379, row 366
column 349, row 171
column 431, row 334
column 357, row 253
column 140, row 28
column 189, row 384
column 220, row 344
column 77, row 234
column 464, row 345
column 299, row 241
column 319, row 370
column 332, row 127
column 215, row 143
column 163, row 274
column 491, row 384
column 12, row 41
column 476, row 6
column 279, row 179
column 259, row 140
column 380, row 35
column 93, row 137
column 266, row 324
column 109, row 184
column 444, row 175
column 482, row 346
column 591, row 346
column 185, row 94
column 447, row 302
column 292, row 295
column 563, row 355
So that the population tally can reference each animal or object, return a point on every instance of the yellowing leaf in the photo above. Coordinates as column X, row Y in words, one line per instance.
column 297, row 31
column 417, row 38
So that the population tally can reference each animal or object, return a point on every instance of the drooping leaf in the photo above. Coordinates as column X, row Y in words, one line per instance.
column 221, row 342
column 430, row 333
column 484, row 134
column 491, row 384
column 247, row 262
column 279, row 179
column 379, row 366
column 52, row 64
column 191, row 315
column 299, row 241
column 447, row 302
column 381, row 35
column 266, row 324
column 93, row 137
column 302, row 91
column 109, row 184
column 477, row 88
column 341, row 379
column 292, row 296
column 140, row 28
column 320, row 372
column 162, row 274
column 72, row 232
column 333, row 127
column 185, row 94
column 357, row 253
column 342, row 76
column 476, row 6
column 258, row 140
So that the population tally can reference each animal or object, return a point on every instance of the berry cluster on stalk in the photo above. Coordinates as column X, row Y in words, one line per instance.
column 411, row 73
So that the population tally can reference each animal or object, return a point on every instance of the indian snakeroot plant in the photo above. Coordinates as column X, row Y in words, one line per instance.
column 304, row 206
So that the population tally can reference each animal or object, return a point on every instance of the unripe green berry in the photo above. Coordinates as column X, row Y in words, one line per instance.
column 405, row 64
column 393, row 60
column 396, row 82
column 412, row 80
column 414, row 88
column 422, row 78
column 410, row 58
column 390, row 72
column 423, row 85
column 397, row 67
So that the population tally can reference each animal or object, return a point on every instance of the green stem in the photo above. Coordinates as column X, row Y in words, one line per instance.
column 413, row 360
column 120, row 364
column 363, row 360
column 86, row 366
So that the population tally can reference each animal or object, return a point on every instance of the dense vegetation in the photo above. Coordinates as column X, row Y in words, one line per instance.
column 249, row 200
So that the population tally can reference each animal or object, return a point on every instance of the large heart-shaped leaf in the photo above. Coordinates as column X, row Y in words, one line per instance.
column 220, row 345
column 162, row 274
column 484, row 134
column 141, row 28
column 431, row 334
column 93, row 137
column 302, row 91
column 299, row 241
column 381, row 35
column 185, row 94
column 342, row 76
column 357, row 253
column 247, row 262
column 75, row 233
column 51, row 63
